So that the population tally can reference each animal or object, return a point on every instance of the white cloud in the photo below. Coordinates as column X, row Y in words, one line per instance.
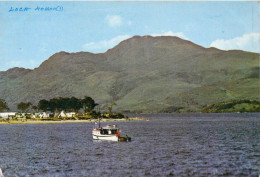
column 102, row 46
column 248, row 42
column 114, row 20
column 170, row 33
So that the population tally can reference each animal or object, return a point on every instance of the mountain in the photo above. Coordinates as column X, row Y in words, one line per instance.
column 141, row 74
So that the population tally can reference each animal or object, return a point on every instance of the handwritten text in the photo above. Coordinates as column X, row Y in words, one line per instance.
column 37, row 8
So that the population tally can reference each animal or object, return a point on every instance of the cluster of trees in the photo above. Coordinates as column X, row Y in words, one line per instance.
column 67, row 104
column 55, row 104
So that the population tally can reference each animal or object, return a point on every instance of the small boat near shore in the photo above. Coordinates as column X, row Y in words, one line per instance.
column 110, row 133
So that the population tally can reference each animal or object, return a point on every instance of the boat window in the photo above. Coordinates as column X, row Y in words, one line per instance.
column 114, row 131
column 104, row 132
column 108, row 131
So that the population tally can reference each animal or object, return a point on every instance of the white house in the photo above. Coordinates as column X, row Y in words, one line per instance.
column 44, row 115
column 62, row 114
column 5, row 115
column 40, row 115
column 68, row 114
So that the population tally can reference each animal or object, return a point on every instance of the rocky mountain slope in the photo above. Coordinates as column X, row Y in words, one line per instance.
column 141, row 74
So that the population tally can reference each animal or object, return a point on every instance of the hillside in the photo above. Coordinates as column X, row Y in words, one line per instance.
column 233, row 106
column 141, row 74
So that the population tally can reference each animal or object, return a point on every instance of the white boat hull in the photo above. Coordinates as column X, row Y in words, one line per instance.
column 105, row 137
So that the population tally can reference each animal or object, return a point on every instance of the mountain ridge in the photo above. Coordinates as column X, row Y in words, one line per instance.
column 142, row 74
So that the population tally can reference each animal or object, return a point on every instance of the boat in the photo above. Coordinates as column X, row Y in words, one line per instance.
column 108, row 132
column 1, row 173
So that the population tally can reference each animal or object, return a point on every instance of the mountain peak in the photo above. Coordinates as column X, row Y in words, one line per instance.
column 159, row 41
column 143, row 73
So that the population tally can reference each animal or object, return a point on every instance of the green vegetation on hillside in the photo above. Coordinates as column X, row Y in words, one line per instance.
column 3, row 105
column 233, row 106
column 142, row 75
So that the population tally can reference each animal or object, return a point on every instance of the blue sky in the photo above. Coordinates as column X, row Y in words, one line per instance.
column 27, row 38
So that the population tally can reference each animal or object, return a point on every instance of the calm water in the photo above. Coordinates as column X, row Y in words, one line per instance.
column 167, row 145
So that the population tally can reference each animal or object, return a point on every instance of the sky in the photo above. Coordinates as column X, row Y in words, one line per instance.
column 30, row 32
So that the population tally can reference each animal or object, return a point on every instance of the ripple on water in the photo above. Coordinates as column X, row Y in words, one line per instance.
column 167, row 145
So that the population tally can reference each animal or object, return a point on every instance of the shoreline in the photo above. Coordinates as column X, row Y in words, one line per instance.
column 67, row 121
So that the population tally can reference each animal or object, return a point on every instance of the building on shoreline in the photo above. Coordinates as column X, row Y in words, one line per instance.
column 68, row 114
column 6, row 115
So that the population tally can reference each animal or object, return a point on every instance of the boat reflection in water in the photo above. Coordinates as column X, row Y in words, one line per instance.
column 110, row 133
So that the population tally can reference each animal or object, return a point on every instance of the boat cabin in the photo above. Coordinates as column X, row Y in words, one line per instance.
column 109, row 130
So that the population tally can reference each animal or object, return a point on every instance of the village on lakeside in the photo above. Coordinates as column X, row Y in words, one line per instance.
column 62, row 117
column 61, row 110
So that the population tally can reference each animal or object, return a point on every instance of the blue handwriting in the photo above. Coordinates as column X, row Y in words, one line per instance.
column 37, row 8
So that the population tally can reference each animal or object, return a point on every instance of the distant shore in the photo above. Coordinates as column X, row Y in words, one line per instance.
column 30, row 121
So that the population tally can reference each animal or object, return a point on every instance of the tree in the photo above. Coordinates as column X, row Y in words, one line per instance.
column 88, row 104
column 75, row 104
column 24, row 106
column 43, row 105
column 55, row 104
column 3, row 105
column 109, row 107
